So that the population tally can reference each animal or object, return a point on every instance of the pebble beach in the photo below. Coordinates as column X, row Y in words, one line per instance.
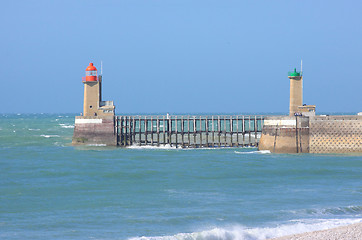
column 349, row 232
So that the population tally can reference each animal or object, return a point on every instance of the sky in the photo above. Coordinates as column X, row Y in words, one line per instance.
column 181, row 56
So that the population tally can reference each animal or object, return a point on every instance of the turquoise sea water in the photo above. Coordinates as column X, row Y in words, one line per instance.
column 52, row 190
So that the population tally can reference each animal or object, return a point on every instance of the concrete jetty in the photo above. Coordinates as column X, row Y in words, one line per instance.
column 314, row 134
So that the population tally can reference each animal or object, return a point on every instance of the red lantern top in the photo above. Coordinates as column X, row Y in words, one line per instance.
column 91, row 67
column 91, row 73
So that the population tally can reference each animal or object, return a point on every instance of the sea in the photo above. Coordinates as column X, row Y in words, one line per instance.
column 50, row 189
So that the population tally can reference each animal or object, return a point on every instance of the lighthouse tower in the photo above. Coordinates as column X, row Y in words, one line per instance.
column 93, row 104
column 296, row 91
column 296, row 106
column 97, row 123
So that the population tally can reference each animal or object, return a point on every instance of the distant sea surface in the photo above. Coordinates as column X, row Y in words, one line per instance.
column 52, row 190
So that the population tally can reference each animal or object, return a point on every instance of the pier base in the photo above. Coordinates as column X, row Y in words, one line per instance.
column 314, row 134
column 94, row 131
column 285, row 135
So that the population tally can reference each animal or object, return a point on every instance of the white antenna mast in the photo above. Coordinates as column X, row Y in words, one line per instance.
column 101, row 68
column 301, row 66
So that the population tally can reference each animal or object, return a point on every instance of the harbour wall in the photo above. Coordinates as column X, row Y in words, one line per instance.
column 176, row 131
column 335, row 134
column 283, row 134
column 314, row 134
column 278, row 134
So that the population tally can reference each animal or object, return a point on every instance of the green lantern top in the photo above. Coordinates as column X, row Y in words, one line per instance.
column 294, row 74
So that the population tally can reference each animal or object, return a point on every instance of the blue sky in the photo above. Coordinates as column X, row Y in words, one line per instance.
column 181, row 56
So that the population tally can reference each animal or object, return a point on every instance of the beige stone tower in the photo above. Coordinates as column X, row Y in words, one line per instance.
column 93, row 104
column 296, row 91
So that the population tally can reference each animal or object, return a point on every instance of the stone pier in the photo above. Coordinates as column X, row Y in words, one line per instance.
column 95, row 131
column 314, row 134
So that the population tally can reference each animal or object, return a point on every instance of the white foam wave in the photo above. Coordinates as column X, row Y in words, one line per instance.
column 49, row 136
column 34, row 129
column 167, row 146
column 264, row 151
column 59, row 144
column 254, row 152
column 66, row 126
column 97, row 145
column 205, row 148
column 239, row 232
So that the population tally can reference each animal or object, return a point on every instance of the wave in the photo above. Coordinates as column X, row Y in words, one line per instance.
column 34, row 129
column 239, row 232
column 205, row 148
column 254, row 152
column 66, row 126
column 167, row 146
column 49, row 136
column 333, row 211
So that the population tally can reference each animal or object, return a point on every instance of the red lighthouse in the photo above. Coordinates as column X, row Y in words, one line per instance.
column 93, row 104
column 97, row 125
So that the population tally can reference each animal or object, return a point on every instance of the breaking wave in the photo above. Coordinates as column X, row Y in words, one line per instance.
column 254, row 152
column 66, row 126
column 167, row 146
column 49, row 136
column 239, row 232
